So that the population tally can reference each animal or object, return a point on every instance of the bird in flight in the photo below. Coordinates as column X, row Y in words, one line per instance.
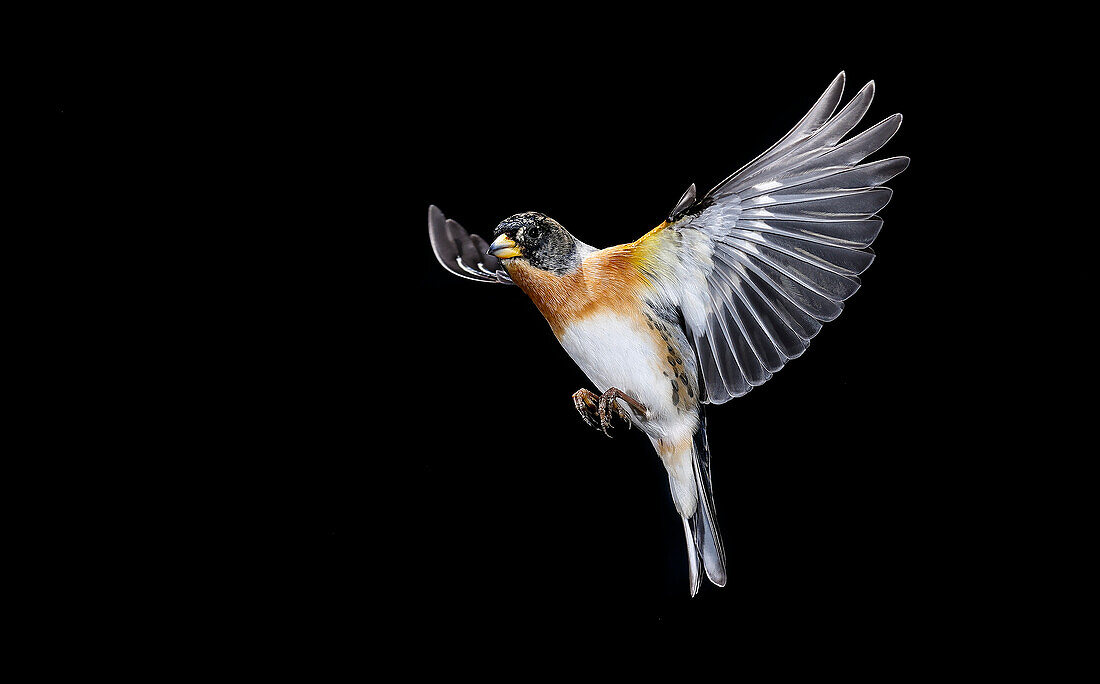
column 710, row 303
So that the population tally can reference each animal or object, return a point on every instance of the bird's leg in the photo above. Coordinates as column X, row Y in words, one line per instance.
column 608, row 404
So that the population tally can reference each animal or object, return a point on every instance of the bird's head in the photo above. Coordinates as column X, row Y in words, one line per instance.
column 536, row 239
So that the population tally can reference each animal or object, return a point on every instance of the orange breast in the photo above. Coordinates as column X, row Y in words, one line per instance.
column 607, row 279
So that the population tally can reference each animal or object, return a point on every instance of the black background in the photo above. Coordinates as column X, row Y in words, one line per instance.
column 369, row 442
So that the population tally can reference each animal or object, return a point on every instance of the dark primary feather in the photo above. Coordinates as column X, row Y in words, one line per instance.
column 460, row 252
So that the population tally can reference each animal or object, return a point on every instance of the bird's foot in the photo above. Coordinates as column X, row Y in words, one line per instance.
column 608, row 404
column 586, row 403
column 605, row 407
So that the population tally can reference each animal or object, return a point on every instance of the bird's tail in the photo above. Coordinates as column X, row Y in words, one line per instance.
column 704, row 541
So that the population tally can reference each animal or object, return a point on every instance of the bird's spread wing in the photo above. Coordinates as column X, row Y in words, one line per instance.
column 762, row 260
column 462, row 253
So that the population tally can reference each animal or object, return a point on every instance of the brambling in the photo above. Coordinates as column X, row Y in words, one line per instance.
column 710, row 303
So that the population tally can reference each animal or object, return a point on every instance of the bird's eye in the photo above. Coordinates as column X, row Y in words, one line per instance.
column 532, row 233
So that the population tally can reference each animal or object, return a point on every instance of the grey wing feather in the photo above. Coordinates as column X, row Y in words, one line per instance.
column 782, row 243
column 462, row 253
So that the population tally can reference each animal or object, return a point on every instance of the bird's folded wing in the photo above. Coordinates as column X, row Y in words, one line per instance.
column 463, row 253
column 760, row 262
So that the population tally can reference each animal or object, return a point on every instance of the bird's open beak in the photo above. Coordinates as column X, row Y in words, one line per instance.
column 504, row 247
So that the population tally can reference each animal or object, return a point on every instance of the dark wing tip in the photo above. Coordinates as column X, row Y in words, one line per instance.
column 687, row 200
column 461, row 252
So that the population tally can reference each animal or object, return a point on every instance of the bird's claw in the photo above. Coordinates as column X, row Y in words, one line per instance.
column 585, row 402
column 605, row 407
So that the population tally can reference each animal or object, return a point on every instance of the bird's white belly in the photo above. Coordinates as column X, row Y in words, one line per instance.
column 614, row 351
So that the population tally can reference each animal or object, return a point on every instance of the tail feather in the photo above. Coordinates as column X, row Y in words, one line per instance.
column 693, row 496
column 694, row 576
column 705, row 539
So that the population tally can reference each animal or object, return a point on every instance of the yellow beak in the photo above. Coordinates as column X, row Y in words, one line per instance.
column 504, row 247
